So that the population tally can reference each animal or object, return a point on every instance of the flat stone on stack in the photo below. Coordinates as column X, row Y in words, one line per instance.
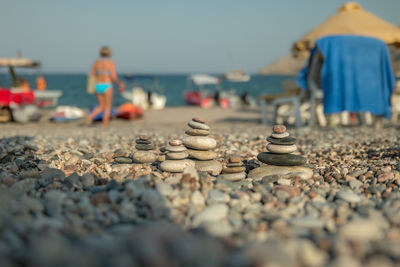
column 279, row 158
column 144, row 153
column 234, row 171
column 199, row 145
column 176, row 159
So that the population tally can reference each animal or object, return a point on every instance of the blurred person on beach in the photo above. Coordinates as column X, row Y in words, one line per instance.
column 104, row 71
column 41, row 83
column 24, row 84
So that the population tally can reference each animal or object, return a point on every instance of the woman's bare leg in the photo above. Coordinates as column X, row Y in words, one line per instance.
column 107, row 108
column 102, row 101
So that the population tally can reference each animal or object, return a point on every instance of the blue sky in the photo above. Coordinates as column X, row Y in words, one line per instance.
column 165, row 36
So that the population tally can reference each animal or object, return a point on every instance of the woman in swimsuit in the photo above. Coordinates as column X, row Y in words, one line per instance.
column 104, row 71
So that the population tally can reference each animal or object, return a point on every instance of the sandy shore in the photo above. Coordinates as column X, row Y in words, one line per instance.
column 66, row 201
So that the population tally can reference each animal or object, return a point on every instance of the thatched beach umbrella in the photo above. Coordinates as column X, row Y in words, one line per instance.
column 351, row 18
column 286, row 65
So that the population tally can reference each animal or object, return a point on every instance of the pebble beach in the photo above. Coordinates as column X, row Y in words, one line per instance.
column 73, row 195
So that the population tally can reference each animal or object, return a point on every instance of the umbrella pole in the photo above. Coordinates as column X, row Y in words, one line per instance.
column 14, row 77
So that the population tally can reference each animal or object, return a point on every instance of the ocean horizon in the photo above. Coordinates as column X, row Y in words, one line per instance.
column 73, row 86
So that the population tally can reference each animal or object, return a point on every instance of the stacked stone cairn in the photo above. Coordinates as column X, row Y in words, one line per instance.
column 144, row 153
column 279, row 158
column 176, row 158
column 199, row 145
column 235, row 170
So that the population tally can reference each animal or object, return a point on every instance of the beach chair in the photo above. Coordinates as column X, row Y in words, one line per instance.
column 305, row 104
column 349, row 73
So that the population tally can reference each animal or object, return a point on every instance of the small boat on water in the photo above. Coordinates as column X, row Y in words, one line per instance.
column 14, row 99
column 200, row 87
column 146, row 93
column 237, row 76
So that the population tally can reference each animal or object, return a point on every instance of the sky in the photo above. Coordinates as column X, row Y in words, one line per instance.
column 204, row 36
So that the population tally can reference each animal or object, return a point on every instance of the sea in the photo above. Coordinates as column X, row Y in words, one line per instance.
column 173, row 87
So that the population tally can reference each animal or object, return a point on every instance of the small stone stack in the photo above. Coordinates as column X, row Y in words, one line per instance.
column 235, row 170
column 176, row 159
column 144, row 153
column 199, row 146
column 280, row 159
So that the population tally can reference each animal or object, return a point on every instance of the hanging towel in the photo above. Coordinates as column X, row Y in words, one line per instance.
column 356, row 76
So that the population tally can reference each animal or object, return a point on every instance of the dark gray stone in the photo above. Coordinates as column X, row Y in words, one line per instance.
column 281, row 159
column 50, row 173
column 145, row 142
column 88, row 179
column 282, row 141
column 144, row 147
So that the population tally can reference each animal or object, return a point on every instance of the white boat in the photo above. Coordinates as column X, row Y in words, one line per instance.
column 146, row 93
column 237, row 76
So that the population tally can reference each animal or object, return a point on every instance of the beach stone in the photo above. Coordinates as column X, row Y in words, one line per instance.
column 281, row 135
column 177, row 155
column 282, row 141
column 199, row 142
column 164, row 189
column 233, row 177
column 281, row 159
column 144, row 137
column 175, row 142
column 144, row 157
column 348, row 196
column 198, row 125
column 197, row 198
column 271, row 170
column 122, row 160
column 279, row 129
column 215, row 196
column 197, row 132
column 307, row 222
column 143, row 147
column 176, row 148
column 234, row 169
column 88, row 179
column 200, row 120
column 361, row 230
column 201, row 154
column 211, row 213
column 281, row 149
column 145, row 142
column 234, row 165
column 175, row 165
column 235, row 160
column 212, row 166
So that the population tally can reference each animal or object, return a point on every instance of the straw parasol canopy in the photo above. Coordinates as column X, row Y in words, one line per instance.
column 18, row 62
column 286, row 65
column 351, row 18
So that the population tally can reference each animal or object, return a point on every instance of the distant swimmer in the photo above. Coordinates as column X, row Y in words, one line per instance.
column 105, row 73
column 41, row 83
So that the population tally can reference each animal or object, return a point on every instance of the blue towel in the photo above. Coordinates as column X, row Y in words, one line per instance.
column 356, row 76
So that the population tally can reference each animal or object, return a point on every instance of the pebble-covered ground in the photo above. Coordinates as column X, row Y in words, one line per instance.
column 65, row 201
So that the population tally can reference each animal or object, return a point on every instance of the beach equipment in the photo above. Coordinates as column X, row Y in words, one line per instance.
column 99, row 117
column 344, row 73
column 353, row 72
column 129, row 111
column 67, row 113
column 352, row 19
